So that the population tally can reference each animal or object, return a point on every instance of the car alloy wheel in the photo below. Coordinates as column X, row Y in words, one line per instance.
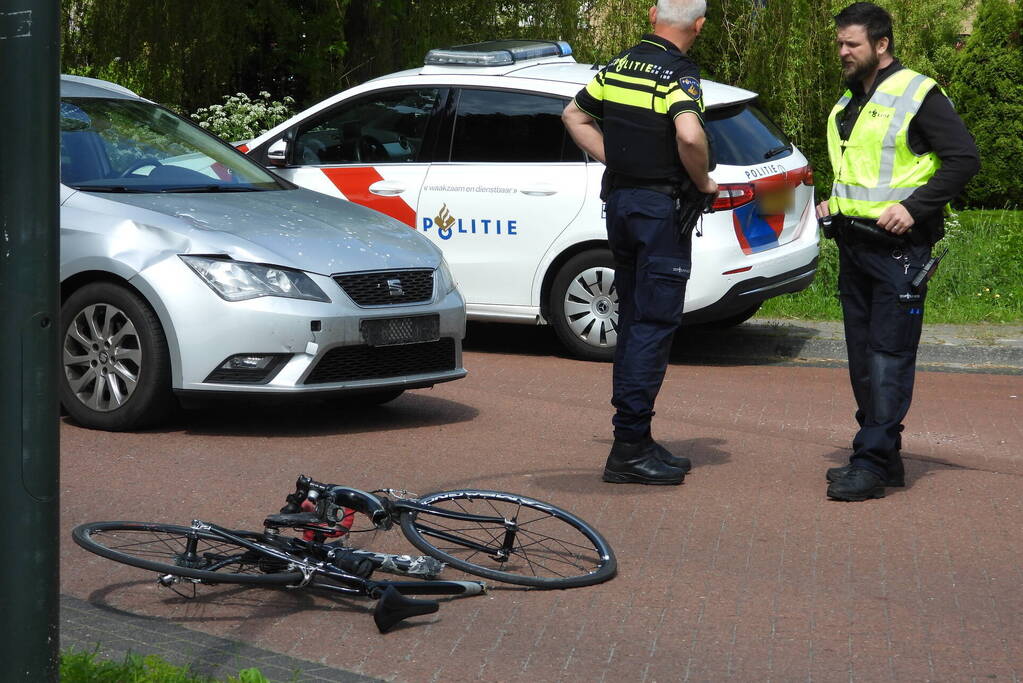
column 102, row 357
column 115, row 367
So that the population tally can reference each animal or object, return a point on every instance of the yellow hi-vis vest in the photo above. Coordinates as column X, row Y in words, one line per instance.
column 875, row 167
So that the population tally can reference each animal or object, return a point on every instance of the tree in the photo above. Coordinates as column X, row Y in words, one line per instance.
column 988, row 91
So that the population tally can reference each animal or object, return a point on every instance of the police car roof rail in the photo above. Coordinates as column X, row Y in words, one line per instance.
column 497, row 52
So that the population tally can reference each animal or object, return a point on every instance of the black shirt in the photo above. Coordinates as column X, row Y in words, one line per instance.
column 935, row 128
column 636, row 98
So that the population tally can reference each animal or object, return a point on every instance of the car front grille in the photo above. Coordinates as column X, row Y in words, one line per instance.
column 349, row 363
column 388, row 287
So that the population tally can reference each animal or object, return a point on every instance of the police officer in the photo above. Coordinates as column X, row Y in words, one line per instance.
column 899, row 153
column 649, row 106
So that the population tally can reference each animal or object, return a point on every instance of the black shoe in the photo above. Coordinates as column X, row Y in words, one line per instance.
column 858, row 484
column 669, row 458
column 896, row 475
column 639, row 463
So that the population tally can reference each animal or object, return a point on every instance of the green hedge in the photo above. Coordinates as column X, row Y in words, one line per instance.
column 978, row 282
column 987, row 88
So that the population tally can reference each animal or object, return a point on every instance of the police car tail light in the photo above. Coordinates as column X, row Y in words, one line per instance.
column 733, row 195
column 808, row 175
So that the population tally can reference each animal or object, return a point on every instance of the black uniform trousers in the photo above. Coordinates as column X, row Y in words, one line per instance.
column 652, row 266
column 883, row 318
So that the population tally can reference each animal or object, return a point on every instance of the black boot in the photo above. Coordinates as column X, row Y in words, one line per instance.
column 858, row 484
column 896, row 473
column 639, row 463
column 669, row 458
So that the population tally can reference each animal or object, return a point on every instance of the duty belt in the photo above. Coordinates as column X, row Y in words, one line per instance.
column 864, row 231
column 672, row 188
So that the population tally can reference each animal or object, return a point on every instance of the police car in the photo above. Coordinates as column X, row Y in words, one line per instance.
column 470, row 151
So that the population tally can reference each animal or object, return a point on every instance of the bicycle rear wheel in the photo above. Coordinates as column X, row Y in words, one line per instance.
column 185, row 552
column 551, row 548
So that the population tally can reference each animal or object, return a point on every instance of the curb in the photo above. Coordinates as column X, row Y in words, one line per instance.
column 964, row 348
column 112, row 634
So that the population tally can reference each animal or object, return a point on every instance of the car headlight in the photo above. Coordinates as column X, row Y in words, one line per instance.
column 238, row 281
column 445, row 280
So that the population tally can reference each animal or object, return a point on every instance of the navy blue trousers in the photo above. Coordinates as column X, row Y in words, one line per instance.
column 652, row 267
column 883, row 318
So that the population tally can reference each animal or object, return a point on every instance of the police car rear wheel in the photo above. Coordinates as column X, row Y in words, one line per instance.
column 584, row 305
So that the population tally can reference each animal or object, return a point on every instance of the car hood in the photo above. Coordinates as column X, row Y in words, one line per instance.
column 296, row 228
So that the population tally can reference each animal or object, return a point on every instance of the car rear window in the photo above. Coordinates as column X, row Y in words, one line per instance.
column 742, row 135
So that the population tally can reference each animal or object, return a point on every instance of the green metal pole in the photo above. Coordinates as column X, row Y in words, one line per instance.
column 29, row 437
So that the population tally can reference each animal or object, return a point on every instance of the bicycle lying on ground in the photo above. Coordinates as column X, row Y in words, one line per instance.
column 495, row 535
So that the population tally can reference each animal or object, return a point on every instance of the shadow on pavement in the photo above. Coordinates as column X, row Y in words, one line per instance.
column 747, row 344
column 916, row 467
column 310, row 417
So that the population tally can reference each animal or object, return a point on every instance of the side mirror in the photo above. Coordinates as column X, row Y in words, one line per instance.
column 277, row 153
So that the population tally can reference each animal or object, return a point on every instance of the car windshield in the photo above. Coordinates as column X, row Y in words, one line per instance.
column 122, row 145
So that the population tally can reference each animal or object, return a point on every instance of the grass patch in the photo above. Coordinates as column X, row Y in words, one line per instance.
column 980, row 281
column 84, row 667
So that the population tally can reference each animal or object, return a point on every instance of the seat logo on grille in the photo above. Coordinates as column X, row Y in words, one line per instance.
column 394, row 287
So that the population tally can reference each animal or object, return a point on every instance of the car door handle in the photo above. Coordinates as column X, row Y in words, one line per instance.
column 539, row 190
column 386, row 188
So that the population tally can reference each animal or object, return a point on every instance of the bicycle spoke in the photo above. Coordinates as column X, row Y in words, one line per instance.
column 170, row 548
column 539, row 553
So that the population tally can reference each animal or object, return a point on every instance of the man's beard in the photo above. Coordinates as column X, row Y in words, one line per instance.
column 863, row 69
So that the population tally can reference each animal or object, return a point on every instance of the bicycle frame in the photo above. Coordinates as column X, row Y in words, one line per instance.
column 342, row 581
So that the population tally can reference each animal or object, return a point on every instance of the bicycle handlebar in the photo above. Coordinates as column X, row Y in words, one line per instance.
column 332, row 499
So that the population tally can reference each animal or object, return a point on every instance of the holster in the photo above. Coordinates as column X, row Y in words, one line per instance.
column 864, row 231
column 691, row 204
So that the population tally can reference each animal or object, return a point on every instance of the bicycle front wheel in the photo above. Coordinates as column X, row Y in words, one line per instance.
column 185, row 552
column 544, row 547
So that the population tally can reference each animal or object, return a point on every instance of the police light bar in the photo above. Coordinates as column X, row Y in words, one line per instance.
column 497, row 52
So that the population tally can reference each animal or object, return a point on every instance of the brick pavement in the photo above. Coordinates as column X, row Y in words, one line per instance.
column 745, row 572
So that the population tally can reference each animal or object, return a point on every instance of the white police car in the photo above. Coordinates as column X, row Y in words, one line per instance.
column 470, row 151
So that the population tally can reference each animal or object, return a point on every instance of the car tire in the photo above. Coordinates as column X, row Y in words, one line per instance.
column 115, row 367
column 583, row 305
column 733, row 320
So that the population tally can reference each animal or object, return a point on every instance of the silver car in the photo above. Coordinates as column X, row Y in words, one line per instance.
column 187, row 269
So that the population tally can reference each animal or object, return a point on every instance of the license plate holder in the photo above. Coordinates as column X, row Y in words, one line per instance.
column 398, row 331
column 773, row 200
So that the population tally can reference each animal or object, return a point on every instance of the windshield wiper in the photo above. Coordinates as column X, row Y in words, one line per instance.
column 211, row 188
column 775, row 151
column 108, row 188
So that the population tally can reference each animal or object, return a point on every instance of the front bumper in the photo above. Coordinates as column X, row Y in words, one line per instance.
column 319, row 346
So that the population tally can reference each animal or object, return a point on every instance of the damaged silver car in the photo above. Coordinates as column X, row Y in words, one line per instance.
column 188, row 270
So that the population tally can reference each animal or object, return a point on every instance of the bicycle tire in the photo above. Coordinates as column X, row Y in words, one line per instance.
column 576, row 555
column 141, row 544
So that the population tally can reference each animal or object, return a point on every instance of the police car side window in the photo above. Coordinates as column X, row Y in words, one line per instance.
column 503, row 126
column 384, row 127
